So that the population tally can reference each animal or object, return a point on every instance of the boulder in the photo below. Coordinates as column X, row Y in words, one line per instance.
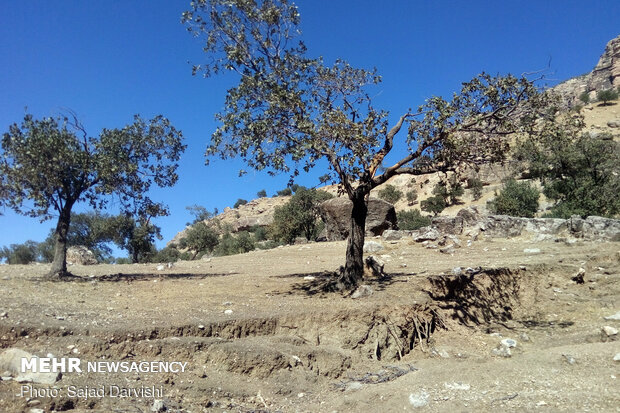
column 80, row 255
column 594, row 228
column 10, row 361
column 503, row 226
column 448, row 225
column 470, row 216
column 336, row 214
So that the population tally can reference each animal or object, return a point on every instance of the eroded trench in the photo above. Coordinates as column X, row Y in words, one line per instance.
column 323, row 344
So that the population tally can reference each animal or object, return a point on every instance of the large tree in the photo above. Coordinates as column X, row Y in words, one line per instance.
column 48, row 165
column 289, row 111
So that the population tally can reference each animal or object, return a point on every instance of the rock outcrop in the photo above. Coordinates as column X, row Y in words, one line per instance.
column 10, row 364
column 80, row 255
column 605, row 75
column 336, row 214
column 470, row 222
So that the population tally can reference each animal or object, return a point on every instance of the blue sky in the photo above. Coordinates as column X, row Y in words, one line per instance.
column 107, row 60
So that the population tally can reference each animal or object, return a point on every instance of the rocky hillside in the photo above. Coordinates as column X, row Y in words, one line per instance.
column 599, row 120
column 605, row 75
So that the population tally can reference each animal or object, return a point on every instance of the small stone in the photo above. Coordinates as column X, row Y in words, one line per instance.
column 509, row 343
column 532, row 250
column 569, row 359
column 457, row 386
column 36, row 410
column 170, row 265
column 309, row 278
column 354, row 385
column 457, row 270
column 4, row 314
column 362, row 291
column 524, row 337
column 201, row 326
column 161, row 267
column 300, row 395
column 372, row 246
column 419, row 399
column 610, row 331
column 502, row 351
column 613, row 317
column 448, row 249
column 158, row 406
column 60, row 317
column 541, row 403
column 295, row 361
column 34, row 402
column 228, row 312
column 227, row 303
column 617, row 357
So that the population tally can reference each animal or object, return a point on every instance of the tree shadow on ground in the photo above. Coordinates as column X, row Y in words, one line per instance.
column 324, row 283
column 477, row 297
column 153, row 276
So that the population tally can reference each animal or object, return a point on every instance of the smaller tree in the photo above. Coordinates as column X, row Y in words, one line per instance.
column 201, row 213
column 434, row 204
column 476, row 186
column 137, row 237
column 285, row 192
column 239, row 203
column 412, row 197
column 519, row 199
column 390, row 194
column 299, row 216
column 200, row 238
column 261, row 194
column 411, row 220
column 607, row 95
column 20, row 253
column 585, row 98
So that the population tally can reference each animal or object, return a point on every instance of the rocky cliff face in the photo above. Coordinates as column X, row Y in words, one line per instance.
column 605, row 75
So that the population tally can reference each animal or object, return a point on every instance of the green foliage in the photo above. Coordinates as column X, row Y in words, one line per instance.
column 239, row 203
column 411, row 220
column 49, row 165
column 230, row 245
column 94, row 230
column 434, row 204
column 261, row 194
column 412, row 196
column 200, row 238
column 137, row 237
column 476, row 186
column 580, row 173
column 260, row 233
column 390, row 194
column 607, row 95
column 166, row 254
column 285, row 192
column 20, row 253
column 450, row 191
column 519, row 199
column 585, row 98
column 299, row 216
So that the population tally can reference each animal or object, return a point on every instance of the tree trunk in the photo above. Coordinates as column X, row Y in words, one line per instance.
column 59, row 265
column 353, row 271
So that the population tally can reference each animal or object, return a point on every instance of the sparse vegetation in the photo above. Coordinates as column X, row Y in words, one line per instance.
column 261, row 194
column 21, row 253
column 519, row 199
column 411, row 220
column 390, row 194
column 285, row 192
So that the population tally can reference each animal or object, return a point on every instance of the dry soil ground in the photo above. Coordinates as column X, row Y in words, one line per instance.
column 258, row 333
